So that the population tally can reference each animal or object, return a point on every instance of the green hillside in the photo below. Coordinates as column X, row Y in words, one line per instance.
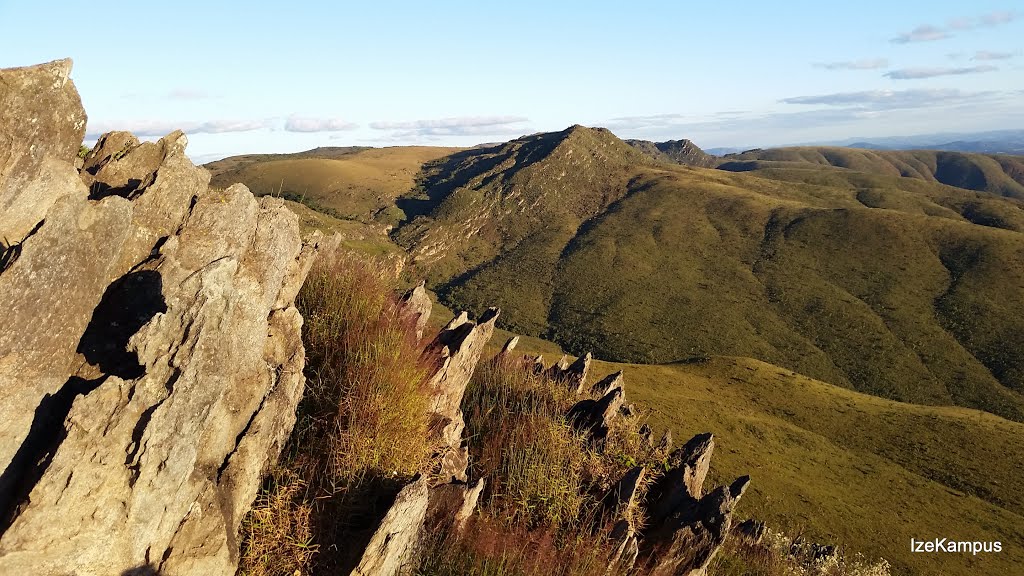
column 888, row 285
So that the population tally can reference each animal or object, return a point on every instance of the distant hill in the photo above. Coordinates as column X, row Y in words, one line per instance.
column 992, row 142
column 901, row 287
column 678, row 151
column 998, row 174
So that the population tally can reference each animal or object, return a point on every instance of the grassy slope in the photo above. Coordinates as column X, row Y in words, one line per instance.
column 900, row 305
column 349, row 183
column 998, row 174
column 840, row 466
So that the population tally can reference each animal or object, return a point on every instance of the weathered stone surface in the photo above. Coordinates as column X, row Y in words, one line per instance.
column 461, row 343
column 416, row 306
column 622, row 496
column 606, row 384
column 509, row 346
column 576, row 373
column 647, row 435
column 595, row 416
column 394, row 542
column 681, row 486
column 688, row 530
column 42, row 124
column 558, row 368
column 452, row 505
column 665, row 444
column 150, row 366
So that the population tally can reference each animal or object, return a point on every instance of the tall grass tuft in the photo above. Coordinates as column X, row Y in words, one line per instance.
column 366, row 388
column 361, row 431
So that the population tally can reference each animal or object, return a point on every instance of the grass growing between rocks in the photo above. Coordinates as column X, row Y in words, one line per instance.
column 361, row 431
column 541, row 510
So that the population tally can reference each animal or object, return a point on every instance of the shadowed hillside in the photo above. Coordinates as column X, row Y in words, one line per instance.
column 897, row 287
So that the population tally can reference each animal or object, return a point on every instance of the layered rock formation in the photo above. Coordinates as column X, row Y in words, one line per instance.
column 150, row 351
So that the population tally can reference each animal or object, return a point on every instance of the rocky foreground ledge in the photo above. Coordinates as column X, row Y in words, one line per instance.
column 150, row 350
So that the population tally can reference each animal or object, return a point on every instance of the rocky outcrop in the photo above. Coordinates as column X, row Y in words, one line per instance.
column 594, row 417
column 686, row 529
column 150, row 352
column 41, row 129
column 682, row 152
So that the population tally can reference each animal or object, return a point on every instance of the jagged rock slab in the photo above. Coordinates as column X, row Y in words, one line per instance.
column 416, row 306
column 595, row 417
column 150, row 364
column 41, row 129
column 461, row 343
column 395, row 540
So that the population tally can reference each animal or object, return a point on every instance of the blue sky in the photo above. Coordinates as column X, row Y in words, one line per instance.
column 266, row 77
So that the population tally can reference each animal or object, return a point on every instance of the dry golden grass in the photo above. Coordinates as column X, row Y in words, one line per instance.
column 361, row 185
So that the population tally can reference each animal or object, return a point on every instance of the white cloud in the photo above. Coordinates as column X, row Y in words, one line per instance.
column 985, row 55
column 157, row 128
column 921, row 34
column 890, row 99
column 306, row 124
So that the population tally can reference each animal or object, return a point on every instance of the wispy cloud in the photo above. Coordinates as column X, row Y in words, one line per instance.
column 157, row 128
column 921, row 34
column 458, row 126
column 307, row 124
column 868, row 64
column 920, row 73
column 930, row 33
column 985, row 55
column 889, row 99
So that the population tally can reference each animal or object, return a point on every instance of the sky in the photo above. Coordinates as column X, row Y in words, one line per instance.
column 258, row 77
